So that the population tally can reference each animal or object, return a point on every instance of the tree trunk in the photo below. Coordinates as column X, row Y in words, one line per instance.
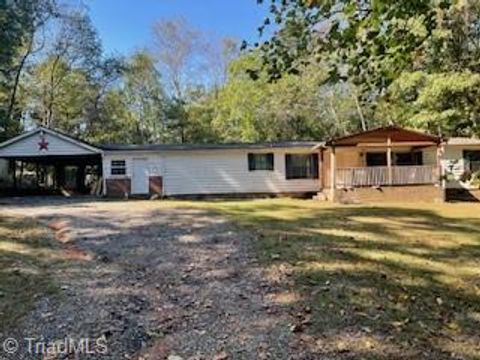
column 359, row 108
column 51, row 94
column 21, row 65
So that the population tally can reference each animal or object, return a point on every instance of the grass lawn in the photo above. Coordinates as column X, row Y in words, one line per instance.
column 27, row 255
column 382, row 282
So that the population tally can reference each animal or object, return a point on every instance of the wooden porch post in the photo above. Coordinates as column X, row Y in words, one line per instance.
column 389, row 161
column 320, row 169
column 441, row 177
column 333, row 174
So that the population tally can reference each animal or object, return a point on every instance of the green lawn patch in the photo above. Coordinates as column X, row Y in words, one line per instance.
column 27, row 255
column 382, row 282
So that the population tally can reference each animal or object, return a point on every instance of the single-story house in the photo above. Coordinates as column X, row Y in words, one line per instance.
column 388, row 163
column 47, row 160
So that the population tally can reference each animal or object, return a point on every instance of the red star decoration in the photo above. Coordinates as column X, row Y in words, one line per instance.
column 43, row 144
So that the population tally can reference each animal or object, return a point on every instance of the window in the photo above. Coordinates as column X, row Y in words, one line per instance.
column 118, row 167
column 472, row 160
column 260, row 162
column 377, row 159
column 408, row 158
column 301, row 166
column 398, row 158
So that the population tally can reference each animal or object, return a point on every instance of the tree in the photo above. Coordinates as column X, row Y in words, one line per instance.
column 176, row 46
column 179, row 49
column 370, row 45
column 115, row 123
column 72, row 63
column 295, row 107
column 443, row 103
column 21, row 21
column 219, row 55
column 60, row 95
column 365, row 43
column 146, row 98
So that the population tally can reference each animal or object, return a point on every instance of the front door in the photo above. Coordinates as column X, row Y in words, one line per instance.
column 140, row 177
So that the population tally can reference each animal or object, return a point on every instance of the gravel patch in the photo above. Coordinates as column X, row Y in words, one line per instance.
column 153, row 282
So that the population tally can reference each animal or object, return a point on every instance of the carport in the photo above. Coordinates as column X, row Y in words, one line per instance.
column 44, row 161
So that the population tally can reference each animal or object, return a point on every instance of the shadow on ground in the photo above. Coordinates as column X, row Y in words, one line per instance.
column 27, row 253
column 380, row 282
column 159, row 281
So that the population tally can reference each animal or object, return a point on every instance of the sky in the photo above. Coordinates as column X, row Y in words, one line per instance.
column 125, row 25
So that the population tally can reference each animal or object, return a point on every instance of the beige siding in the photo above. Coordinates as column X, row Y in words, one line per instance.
column 216, row 172
column 430, row 156
column 344, row 158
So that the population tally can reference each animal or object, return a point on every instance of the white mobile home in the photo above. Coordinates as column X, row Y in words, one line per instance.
column 382, row 164
column 166, row 170
column 279, row 168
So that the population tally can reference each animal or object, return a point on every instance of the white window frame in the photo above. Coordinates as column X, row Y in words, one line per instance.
column 118, row 167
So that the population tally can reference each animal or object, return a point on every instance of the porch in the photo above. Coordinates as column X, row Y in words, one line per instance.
column 387, row 176
column 380, row 158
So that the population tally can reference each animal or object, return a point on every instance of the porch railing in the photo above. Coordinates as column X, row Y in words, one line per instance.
column 383, row 175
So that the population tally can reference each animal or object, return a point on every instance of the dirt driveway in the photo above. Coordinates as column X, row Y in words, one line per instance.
column 157, row 282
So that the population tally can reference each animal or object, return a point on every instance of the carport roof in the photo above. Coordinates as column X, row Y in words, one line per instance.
column 63, row 144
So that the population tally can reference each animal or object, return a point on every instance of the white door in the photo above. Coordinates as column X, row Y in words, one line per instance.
column 140, row 176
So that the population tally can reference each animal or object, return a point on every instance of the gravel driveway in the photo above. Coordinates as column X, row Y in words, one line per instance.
column 157, row 282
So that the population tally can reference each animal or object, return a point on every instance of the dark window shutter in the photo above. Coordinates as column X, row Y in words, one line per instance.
column 288, row 166
column 270, row 160
column 251, row 162
column 314, row 158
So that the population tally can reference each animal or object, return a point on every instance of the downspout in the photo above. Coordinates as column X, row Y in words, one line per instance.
column 333, row 173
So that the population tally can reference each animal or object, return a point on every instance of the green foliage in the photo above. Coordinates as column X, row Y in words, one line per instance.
column 444, row 103
column 374, row 44
column 59, row 95
column 145, row 98
column 292, row 108
column 330, row 68
column 19, row 21
column 114, row 123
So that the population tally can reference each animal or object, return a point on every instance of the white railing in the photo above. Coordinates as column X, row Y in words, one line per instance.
column 382, row 175
column 362, row 176
column 406, row 175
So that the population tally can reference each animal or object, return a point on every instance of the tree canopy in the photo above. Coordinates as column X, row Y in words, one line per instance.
column 328, row 68
column 382, row 46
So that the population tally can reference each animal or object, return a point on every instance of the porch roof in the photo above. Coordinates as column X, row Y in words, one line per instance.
column 382, row 135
